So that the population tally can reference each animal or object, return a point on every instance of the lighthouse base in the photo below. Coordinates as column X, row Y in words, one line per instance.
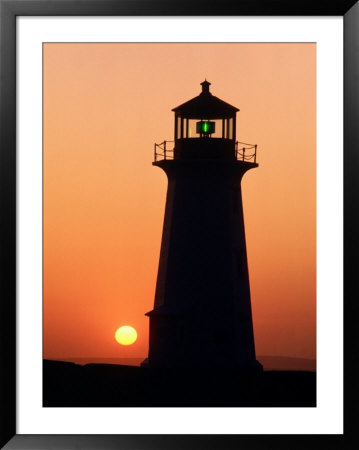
column 253, row 367
column 212, row 339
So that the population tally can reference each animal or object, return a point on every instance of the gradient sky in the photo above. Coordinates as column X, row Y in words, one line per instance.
column 104, row 107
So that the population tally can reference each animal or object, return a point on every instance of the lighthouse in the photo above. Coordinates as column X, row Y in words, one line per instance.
column 202, row 309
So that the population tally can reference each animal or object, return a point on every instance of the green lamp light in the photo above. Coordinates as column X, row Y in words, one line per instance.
column 205, row 127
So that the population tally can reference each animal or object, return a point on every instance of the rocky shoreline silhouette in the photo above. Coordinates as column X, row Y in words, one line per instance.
column 67, row 384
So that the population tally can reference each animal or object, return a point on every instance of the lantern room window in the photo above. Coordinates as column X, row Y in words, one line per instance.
column 204, row 128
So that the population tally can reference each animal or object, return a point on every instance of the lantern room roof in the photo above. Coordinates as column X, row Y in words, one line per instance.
column 205, row 106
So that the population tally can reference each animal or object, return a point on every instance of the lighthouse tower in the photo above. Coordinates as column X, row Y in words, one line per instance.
column 202, row 310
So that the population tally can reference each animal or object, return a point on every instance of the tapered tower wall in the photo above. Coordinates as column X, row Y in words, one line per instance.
column 202, row 312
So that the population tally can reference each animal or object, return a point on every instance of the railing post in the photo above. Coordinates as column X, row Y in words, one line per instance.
column 155, row 152
column 244, row 151
column 164, row 149
column 255, row 153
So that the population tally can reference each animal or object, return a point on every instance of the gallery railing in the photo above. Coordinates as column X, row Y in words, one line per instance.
column 243, row 152
column 163, row 152
column 246, row 152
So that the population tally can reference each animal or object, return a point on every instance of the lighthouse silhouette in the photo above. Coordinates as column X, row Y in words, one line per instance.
column 202, row 310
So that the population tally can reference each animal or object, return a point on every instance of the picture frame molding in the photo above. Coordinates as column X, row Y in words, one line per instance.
column 9, row 10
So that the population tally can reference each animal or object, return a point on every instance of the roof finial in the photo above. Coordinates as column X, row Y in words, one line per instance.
column 205, row 86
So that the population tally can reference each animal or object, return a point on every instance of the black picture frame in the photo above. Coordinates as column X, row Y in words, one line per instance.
column 9, row 10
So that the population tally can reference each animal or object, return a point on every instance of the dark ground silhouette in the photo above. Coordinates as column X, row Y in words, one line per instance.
column 105, row 385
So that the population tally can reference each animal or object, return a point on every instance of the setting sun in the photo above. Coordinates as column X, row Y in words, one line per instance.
column 126, row 335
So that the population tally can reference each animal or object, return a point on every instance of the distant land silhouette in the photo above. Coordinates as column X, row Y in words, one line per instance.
column 268, row 362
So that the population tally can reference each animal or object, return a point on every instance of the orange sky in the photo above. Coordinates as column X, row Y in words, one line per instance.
column 104, row 107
